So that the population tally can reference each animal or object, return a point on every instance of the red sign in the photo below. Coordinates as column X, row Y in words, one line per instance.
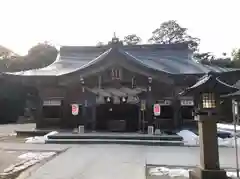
column 157, row 109
column 75, row 109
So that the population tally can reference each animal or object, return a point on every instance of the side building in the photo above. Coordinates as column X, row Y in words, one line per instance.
column 116, row 86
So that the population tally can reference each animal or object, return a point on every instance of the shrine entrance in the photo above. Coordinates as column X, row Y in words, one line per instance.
column 117, row 117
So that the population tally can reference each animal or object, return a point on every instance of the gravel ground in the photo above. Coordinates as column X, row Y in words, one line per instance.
column 8, row 158
column 11, row 147
column 14, row 163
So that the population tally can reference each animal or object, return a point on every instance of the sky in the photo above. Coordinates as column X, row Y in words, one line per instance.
column 85, row 22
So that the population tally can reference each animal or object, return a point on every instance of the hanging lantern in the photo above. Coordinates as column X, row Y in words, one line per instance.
column 108, row 99
column 123, row 99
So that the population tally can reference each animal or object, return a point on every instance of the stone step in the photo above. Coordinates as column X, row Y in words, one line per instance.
column 31, row 133
column 115, row 141
column 117, row 136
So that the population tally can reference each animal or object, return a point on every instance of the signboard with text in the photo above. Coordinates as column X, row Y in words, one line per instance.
column 157, row 109
column 51, row 103
column 75, row 109
column 187, row 103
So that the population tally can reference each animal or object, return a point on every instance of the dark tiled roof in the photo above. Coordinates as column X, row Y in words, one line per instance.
column 66, row 63
column 237, row 84
column 209, row 81
column 172, row 59
column 235, row 95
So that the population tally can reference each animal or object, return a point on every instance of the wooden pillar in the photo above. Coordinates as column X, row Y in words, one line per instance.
column 94, row 117
column 61, row 116
column 64, row 111
column 176, row 109
column 84, row 113
column 149, row 110
column 39, row 119
column 176, row 113
column 40, row 123
column 140, row 119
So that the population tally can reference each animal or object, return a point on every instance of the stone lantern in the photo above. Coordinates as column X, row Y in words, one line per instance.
column 206, row 93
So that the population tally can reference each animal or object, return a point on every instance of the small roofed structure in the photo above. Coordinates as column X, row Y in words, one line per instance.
column 207, row 92
column 207, row 83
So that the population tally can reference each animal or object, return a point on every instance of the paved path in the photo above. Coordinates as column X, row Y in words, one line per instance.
column 6, row 129
column 120, row 161
column 33, row 147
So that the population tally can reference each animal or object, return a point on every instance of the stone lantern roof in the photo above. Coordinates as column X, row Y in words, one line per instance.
column 209, row 83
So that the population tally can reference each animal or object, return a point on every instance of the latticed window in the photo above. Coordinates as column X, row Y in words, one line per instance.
column 116, row 74
column 208, row 100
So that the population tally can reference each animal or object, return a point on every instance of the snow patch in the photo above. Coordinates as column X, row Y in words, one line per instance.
column 227, row 127
column 27, row 160
column 191, row 139
column 36, row 156
column 228, row 142
column 167, row 173
column 39, row 139
column 12, row 134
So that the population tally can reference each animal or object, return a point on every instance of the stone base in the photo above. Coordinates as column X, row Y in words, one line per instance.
column 199, row 173
column 157, row 132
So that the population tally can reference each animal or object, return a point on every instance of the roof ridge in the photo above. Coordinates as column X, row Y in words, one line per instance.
column 175, row 46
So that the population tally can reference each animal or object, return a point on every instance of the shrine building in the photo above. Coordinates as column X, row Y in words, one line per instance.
column 115, row 87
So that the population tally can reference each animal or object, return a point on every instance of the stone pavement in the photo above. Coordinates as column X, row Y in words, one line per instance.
column 13, row 144
column 106, row 161
column 6, row 129
column 10, row 146
column 120, row 161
